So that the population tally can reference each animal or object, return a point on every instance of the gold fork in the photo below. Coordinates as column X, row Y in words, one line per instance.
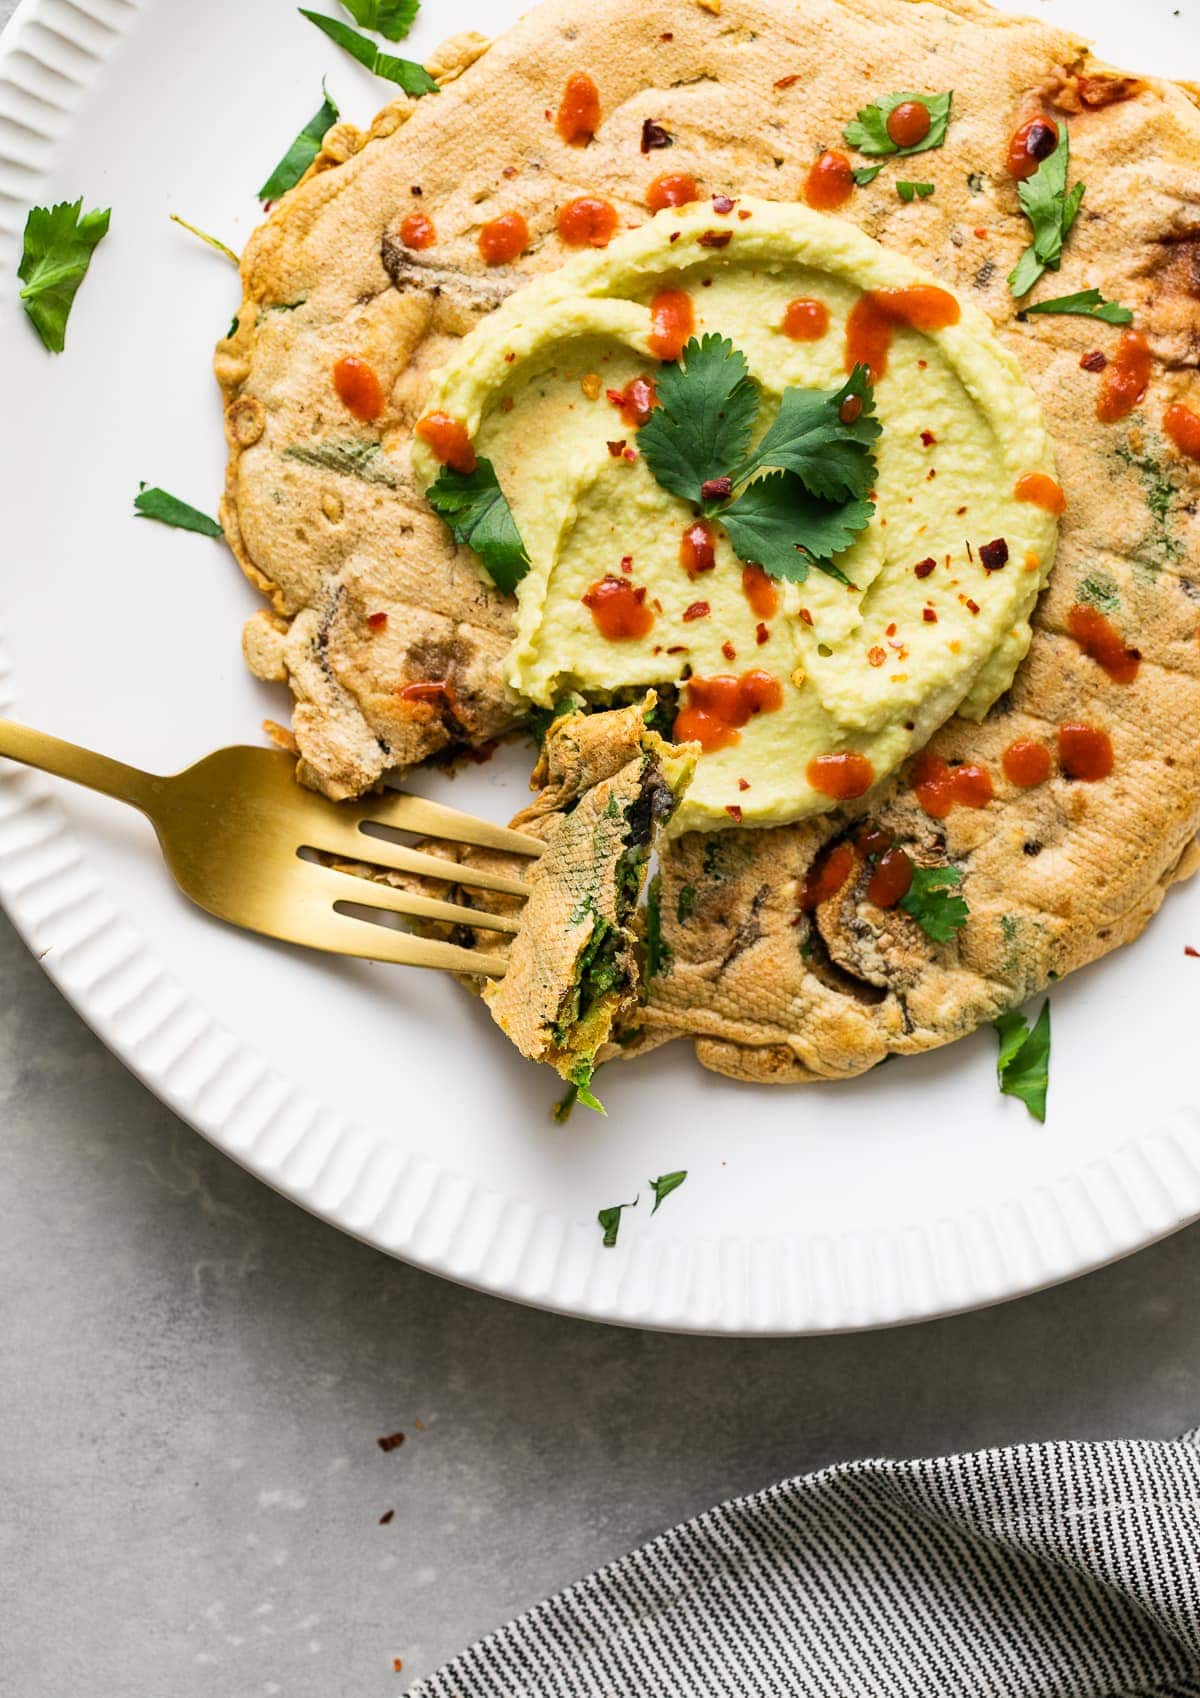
column 232, row 827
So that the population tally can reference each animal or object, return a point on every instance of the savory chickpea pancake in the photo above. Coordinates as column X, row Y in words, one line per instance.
column 791, row 412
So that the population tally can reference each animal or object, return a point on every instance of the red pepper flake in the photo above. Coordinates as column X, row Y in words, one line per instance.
column 627, row 563
column 377, row 621
column 877, row 656
column 667, row 35
column 653, row 135
column 924, row 567
column 392, row 1441
column 1095, row 361
column 716, row 489
column 714, row 238
column 970, row 554
column 734, row 812
column 677, row 648
column 806, row 616
column 1194, row 953
column 675, row 235
column 616, row 449
column 972, row 606
column 928, row 438
column 386, row 1517
column 994, row 555
column 891, row 630
column 397, row 1664
column 981, row 235
column 787, row 82
column 630, row 455
column 509, row 171
column 636, row 401
column 728, row 650
column 761, row 634
column 722, row 204
column 697, row 610
column 743, row 784
column 929, row 616
column 959, row 511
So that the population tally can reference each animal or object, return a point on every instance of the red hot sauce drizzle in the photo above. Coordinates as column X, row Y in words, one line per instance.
column 842, row 776
column 1100, row 640
column 619, row 609
column 417, row 231
column 1040, row 490
column 805, row 319
column 827, row 875
column 579, row 114
column 1126, row 378
column 587, row 222
column 891, row 880
column 672, row 188
column 1026, row 763
column 760, row 592
column 909, row 123
column 1085, row 752
column 876, row 315
column 672, row 321
column 636, row 401
column 1034, row 141
column 1183, row 428
column 717, row 708
column 829, row 183
column 358, row 388
column 449, row 441
column 940, row 787
column 697, row 548
column 503, row 239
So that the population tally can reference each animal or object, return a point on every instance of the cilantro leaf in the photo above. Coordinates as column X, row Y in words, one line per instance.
column 391, row 19
column 213, row 241
column 1023, row 1063
column 59, row 243
column 869, row 133
column 701, row 427
column 1088, row 303
column 865, row 174
column 1051, row 212
column 777, row 524
column 610, row 1220
column 169, row 510
column 914, row 191
column 809, row 437
column 414, row 79
column 934, row 904
column 303, row 150
column 664, row 1185
column 474, row 507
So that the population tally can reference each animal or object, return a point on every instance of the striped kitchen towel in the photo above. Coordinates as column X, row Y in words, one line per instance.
column 1044, row 1571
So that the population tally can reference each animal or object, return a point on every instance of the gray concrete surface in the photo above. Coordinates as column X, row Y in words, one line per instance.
column 194, row 1374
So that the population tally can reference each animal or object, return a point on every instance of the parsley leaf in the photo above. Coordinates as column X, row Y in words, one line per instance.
column 414, row 79
column 869, row 133
column 809, row 437
column 1023, row 1064
column 934, row 904
column 914, row 191
column 213, row 241
column 391, row 19
column 169, row 510
column 702, row 425
column 610, row 1220
column 59, row 243
column 780, row 526
column 1051, row 212
column 474, row 507
column 303, row 150
column 664, row 1185
column 1088, row 303
column 866, row 174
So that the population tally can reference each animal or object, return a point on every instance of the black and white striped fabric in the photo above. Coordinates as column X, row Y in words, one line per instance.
column 1045, row 1571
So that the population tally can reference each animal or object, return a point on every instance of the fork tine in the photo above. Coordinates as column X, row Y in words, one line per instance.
column 341, row 836
column 348, row 936
column 433, row 819
column 366, row 893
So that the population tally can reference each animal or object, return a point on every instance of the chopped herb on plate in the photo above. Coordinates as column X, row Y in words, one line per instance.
column 864, row 174
column 1087, row 303
column 934, row 902
column 872, row 131
column 303, row 150
column 914, row 191
column 1023, row 1064
column 58, row 248
column 664, row 1185
column 169, row 510
column 475, row 508
column 414, row 79
column 610, row 1220
column 213, row 241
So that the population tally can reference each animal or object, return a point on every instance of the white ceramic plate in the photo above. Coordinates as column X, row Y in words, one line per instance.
column 384, row 1100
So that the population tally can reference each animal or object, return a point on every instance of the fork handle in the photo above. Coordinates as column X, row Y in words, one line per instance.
column 81, row 766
